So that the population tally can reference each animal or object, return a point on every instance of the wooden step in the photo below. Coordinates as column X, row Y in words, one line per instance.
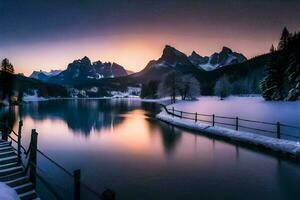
column 10, row 171
column 26, row 187
column 17, row 182
column 9, row 165
column 5, row 148
column 7, row 154
column 28, row 195
column 4, row 144
column 7, row 160
column 12, row 176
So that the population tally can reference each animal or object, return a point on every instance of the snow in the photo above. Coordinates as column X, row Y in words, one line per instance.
column 52, row 73
column 32, row 98
column 209, row 67
column 280, row 145
column 229, row 59
column 251, row 107
column 7, row 193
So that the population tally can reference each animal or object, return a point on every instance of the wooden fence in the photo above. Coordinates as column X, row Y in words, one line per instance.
column 237, row 123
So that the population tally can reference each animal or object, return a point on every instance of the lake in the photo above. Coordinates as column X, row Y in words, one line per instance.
column 118, row 144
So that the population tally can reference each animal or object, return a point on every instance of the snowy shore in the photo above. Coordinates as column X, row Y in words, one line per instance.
column 279, row 145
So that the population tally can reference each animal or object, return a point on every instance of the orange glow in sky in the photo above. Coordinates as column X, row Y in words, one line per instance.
column 133, row 51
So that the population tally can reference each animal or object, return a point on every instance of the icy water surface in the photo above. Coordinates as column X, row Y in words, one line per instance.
column 118, row 144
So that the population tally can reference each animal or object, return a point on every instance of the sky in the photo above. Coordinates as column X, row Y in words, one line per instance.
column 49, row 34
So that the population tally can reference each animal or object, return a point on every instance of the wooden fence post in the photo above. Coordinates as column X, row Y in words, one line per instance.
column 33, row 157
column 76, row 175
column 278, row 130
column 19, row 140
column 213, row 120
column 237, row 123
column 196, row 115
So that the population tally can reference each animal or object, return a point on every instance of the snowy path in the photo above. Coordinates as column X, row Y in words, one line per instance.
column 278, row 145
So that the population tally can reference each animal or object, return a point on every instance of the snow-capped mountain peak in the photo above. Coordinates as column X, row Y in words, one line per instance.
column 225, row 57
column 43, row 75
column 81, row 70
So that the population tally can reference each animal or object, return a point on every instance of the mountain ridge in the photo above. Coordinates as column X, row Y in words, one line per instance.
column 81, row 70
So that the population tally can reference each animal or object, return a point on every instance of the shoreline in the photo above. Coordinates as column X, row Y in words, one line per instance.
column 281, row 146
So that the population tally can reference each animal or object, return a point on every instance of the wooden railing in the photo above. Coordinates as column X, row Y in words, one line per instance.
column 237, row 123
column 30, row 164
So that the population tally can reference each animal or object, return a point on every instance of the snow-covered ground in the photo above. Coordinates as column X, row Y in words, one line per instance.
column 247, row 107
column 281, row 145
column 7, row 193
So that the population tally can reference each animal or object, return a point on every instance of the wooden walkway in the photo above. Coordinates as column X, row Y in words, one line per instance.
column 12, row 173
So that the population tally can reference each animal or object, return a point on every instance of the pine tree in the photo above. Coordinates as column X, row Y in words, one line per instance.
column 284, row 39
column 293, row 70
column 6, row 80
column 6, row 66
column 270, row 85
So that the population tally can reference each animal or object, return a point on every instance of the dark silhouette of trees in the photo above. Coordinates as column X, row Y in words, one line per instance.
column 270, row 85
column 190, row 88
column 149, row 90
column 282, row 74
column 222, row 87
column 6, row 80
column 170, row 86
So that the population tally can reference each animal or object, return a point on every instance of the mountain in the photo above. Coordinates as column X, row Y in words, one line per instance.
column 171, row 59
column 225, row 57
column 129, row 72
column 82, row 70
column 244, row 75
column 44, row 76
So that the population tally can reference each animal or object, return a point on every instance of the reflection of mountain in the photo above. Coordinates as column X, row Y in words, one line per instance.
column 85, row 115
column 81, row 115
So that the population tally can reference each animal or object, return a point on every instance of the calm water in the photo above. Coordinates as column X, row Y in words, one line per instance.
column 119, row 145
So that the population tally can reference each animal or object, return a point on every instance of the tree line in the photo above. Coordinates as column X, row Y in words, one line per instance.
column 172, row 85
column 6, row 81
column 282, row 73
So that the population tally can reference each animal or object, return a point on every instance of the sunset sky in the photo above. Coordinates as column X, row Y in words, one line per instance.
column 49, row 34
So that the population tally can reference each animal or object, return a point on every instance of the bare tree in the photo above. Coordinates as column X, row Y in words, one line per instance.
column 190, row 88
column 171, row 85
column 222, row 87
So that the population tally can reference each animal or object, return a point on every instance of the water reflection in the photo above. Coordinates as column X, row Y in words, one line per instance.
column 82, row 116
column 118, row 144
column 7, row 119
column 86, row 117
